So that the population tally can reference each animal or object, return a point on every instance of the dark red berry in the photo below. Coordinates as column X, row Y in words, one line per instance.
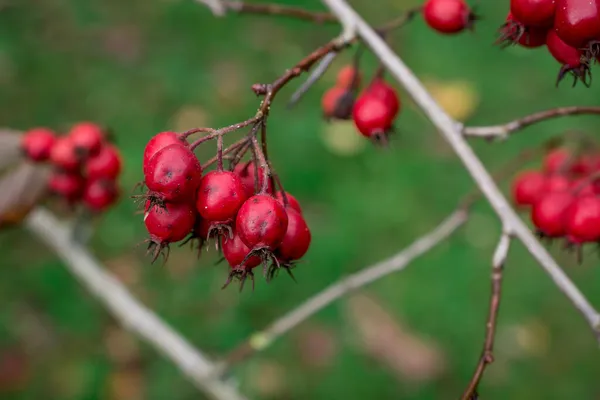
column 170, row 223
column 159, row 142
column 586, row 164
column 292, row 202
column 515, row 32
column 63, row 154
column 337, row 103
column 384, row 91
column 37, row 143
column 68, row 185
column 584, row 187
column 347, row 76
column 262, row 222
column 235, row 252
column 447, row 16
column 106, row 164
column 549, row 212
column 372, row 116
column 557, row 183
column 174, row 173
column 87, row 138
column 577, row 22
column 569, row 57
column 583, row 220
column 297, row 238
column 220, row 196
column 99, row 194
column 528, row 187
column 556, row 160
column 246, row 171
column 534, row 13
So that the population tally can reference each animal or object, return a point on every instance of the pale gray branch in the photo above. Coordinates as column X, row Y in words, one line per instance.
column 120, row 303
column 451, row 131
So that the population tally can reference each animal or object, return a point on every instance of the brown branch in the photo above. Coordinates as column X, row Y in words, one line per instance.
column 502, row 131
column 487, row 355
column 231, row 148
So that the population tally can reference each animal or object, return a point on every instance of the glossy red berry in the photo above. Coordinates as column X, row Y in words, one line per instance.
column 174, row 173
column 99, row 194
column 87, row 138
column 556, row 160
column 170, row 223
column 384, row 91
column 557, row 183
column 372, row 116
column 67, row 185
column 159, row 142
column 515, row 32
column 584, row 187
column 106, row 164
column 586, row 164
column 569, row 57
column 63, row 154
column 297, row 238
column 447, row 16
column 246, row 171
column 577, row 22
column 37, row 143
column 220, row 196
column 337, row 103
column 292, row 202
column 583, row 219
column 534, row 13
column 262, row 222
column 347, row 76
column 549, row 213
column 528, row 187
column 235, row 251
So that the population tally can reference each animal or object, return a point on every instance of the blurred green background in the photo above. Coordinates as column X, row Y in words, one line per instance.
column 141, row 67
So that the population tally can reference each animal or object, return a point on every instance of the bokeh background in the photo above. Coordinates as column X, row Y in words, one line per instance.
column 142, row 67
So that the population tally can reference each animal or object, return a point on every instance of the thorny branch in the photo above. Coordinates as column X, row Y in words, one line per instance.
column 487, row 354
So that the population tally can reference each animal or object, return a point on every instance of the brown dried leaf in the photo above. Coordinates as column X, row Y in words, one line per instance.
column 409, row 356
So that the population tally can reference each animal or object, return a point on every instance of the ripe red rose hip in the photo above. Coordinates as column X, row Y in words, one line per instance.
column 528, row 187
column 99, row 194
column 514, row 31
column 297, row 238
column 569, row 57
column 106, row 164
column 262, row 222
column 174, row 173
column 235, row 251
column 292, row 202
column 170, row 223
column 246, row 171
column 87, row 138
column 37, row 143
column 384, row 91
column 583, row 219
column 372, row 116
column 63, row 154
column 447, row 16
column 534, row 13
column 549, row 213
column 577, row 22
column 159, row 142
column 67, row 185
column 220, row 196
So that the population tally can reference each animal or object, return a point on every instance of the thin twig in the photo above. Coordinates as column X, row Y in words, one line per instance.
column 123, row 306
column 504, row 130
column 451, row 131
column 314, row 76
column 337, row 290
column 233, row 147
column 487, row 354
column 276, row 9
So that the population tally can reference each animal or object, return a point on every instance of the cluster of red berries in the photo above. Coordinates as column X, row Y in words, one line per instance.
column 564, row 196
column 373, row 111
column 85, row 165
column 251, row 222
column 570, row 30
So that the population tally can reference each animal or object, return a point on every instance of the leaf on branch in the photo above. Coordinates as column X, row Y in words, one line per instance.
column 409, row 356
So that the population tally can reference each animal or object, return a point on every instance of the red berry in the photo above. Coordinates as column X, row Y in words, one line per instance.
column 87, row 138
column 347, row 76
column 577, row 22
column 235, row 251
column 534, row 13
column 159, row 142
column 220, row 196
column 586, row 164
column 584, row 187
column 67, row 184
column 382, row 90
column 447, row 16
column 262, row 222
column 297, row 238
column 292, row 202
column 99, row 194
column 372, row 115
column 557, row 183
column 562, row 52
column 37, row 143
column 246, row 172
column 174, row 173
column 337, row 103
column 106, row 164
column 556, row 160
column 514, row 31
column 170, row 223
column 528, row 187
column 583, row 220
column 548, row 213
column 63, row 154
